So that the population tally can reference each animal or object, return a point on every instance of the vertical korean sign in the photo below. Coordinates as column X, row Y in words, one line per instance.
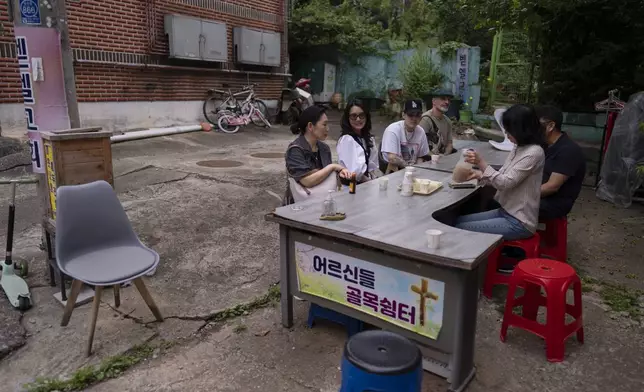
column 41, row 78
column 409, row 301
column 462, row 62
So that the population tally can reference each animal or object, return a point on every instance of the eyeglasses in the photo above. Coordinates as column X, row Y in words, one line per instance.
column 357, row 116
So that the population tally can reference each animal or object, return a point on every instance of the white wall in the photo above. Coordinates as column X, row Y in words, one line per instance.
column 120, row 116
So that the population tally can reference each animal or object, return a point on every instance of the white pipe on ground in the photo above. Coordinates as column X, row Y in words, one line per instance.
column 154, row 132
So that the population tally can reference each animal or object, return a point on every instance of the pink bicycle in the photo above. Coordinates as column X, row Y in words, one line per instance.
column 229, row 122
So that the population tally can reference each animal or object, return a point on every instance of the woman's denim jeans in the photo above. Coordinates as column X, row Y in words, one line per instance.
column 494, row 222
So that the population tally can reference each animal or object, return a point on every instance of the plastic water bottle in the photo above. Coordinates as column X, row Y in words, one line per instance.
column 407, row 184
column 329, row 205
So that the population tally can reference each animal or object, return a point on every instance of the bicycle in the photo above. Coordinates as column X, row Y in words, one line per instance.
column 230, row 103
column 229, row 122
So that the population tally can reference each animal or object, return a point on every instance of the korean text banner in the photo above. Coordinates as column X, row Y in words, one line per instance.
column 406, row 300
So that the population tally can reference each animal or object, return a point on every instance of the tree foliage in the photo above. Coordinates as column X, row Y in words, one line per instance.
column 596, row 47
column 582, row 48
column 317, row 23
column 355, row 27
column 585, row 47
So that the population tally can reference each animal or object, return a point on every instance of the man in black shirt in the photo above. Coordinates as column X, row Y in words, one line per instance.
column 565, row 167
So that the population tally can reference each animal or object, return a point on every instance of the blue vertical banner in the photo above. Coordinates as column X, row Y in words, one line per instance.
column 30, row 12
column 462, row 63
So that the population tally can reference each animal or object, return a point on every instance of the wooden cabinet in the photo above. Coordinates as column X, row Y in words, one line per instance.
column 74, row 157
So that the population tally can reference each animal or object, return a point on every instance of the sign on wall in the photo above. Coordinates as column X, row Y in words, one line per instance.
column 29, row 98
column 409, row 301
column 462, row 61
column 41, row 79
column 51, row 177
column 30, row 12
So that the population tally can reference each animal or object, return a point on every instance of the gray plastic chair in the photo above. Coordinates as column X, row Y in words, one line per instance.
column 96, row 245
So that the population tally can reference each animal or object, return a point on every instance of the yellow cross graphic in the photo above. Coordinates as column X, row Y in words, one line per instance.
column 424, row 293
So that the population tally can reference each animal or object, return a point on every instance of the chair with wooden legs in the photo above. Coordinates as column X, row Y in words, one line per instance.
column 96, row 245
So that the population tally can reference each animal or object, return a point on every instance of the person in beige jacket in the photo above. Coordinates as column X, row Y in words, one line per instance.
column 518, row 181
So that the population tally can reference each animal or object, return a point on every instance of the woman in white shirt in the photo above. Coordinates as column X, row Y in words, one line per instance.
column 357, row 150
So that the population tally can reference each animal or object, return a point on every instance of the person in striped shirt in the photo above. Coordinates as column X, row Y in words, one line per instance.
column 518, row 181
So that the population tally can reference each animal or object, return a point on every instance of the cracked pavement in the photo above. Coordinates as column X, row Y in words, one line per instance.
column 217, row 252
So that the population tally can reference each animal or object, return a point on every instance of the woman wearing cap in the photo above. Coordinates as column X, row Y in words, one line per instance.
column 308, row 159
column 518, row 182
column 356, row 148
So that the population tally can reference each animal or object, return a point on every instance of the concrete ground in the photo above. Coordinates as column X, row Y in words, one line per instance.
column 218, row 252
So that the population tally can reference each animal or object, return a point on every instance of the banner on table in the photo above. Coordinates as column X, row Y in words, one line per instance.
column 409, row 301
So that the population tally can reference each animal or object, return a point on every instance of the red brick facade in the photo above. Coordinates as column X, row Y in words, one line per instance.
column 120, row 50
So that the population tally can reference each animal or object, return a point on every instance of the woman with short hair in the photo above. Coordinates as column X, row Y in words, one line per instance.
column 518, row 181
column 309, row 165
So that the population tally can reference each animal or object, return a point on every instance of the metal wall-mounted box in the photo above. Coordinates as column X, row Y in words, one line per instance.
column 196, row 39
column 257, row 47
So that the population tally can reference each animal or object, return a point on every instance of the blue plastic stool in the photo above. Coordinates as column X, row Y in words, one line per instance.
column 381, row 361
column 316, row 311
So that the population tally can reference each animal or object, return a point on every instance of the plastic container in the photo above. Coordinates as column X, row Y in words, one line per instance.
column 408, row 184
column 381, row 361
column 329, row 205
column 462, row 170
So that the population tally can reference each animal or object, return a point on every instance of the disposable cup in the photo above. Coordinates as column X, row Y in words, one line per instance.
column 425, row 185
column 433, row 238
column 383, row 182
column 435, row 158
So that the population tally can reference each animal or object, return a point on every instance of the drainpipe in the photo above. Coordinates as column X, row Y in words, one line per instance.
column 154, row 132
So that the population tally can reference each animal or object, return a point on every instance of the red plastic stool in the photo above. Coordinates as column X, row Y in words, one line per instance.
column 556, row 278
column 555, row 239
column 492, row 277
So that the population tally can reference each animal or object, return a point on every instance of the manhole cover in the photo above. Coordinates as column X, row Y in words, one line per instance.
column 268, row 155
column 219, row 163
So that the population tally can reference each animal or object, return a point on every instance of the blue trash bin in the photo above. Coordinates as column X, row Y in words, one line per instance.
column 381, row 361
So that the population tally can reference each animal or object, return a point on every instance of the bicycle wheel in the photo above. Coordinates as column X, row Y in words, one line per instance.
column 224, row 124
column 260, row 120
column 264, row 120
column 212, row 107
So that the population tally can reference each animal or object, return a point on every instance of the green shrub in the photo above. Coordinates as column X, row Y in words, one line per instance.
column 419, row 75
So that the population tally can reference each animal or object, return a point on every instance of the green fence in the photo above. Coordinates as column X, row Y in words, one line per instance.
column 512, row 69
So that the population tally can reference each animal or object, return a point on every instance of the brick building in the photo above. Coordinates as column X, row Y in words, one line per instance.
column 125, row 77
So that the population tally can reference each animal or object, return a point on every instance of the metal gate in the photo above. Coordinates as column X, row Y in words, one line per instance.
column 512, row 69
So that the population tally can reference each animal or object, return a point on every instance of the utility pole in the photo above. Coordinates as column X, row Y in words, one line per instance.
column 69, row 78
column 46, row 65
column 54, row 15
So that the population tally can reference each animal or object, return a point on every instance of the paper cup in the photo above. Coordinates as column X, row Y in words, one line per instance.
column 383, row 182
column 435, row 158
column 425, row 185
column 433, row 238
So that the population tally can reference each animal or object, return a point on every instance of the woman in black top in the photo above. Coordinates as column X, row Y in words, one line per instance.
column 308, row 158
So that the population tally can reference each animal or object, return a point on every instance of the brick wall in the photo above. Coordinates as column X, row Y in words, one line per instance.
column 121, row 50
column 9, row 74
